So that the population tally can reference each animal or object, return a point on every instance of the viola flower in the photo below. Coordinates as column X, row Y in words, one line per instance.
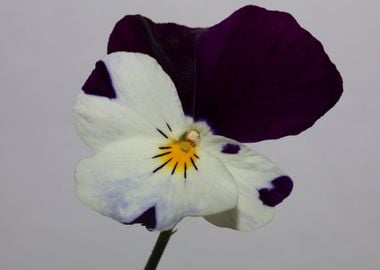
column 168, row 109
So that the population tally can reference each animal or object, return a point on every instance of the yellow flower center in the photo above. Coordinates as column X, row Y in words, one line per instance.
column 179, row 156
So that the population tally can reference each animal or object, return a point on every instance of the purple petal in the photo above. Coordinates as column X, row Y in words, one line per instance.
column 281, row 188
column 261, row 76
column 172, row 45
column 147, row 219
column 99, row 82
column 257, row 75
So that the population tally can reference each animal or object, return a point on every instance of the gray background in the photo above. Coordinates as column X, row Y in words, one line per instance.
column 331, row 221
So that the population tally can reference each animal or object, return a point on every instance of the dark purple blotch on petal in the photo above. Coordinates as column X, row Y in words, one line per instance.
column 281, row 188
column 99, row 82
column 230, row 148
column 147, row 219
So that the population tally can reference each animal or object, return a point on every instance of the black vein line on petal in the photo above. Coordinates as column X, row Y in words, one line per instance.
column 175, row 167
column 195, row 155
column 169, row 127
column 165, row 147
column 161, row 166
column 163, row 134
column 184, row 172
column 192, row 161
column 161, row 155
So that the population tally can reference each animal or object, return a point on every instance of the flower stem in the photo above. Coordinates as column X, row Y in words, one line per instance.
column 158, row 250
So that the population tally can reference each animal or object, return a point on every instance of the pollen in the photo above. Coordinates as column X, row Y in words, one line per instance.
column 179, row 156
column 192, row 136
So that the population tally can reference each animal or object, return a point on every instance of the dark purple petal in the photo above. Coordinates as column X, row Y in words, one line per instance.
column 257, row 75
column 281, row 188
column 261, row 76
column 230, row 148
column 99, row 82
column 172, row 45
column 147, row 219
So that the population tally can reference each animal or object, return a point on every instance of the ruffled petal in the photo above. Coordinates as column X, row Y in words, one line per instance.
column 125, row 181
column 261, row 76
column 127, row 94
column 172, row 45
column 261, row 185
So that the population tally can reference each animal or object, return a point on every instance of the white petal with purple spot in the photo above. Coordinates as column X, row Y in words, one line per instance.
column 155, row 166
column 252, row 173
column 141, row 84
column 122, row 182
column 146, row 100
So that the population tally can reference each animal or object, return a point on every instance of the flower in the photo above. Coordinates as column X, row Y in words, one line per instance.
column 166, row 108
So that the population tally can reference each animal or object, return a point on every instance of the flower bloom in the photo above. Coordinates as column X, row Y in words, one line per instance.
column 166, row 108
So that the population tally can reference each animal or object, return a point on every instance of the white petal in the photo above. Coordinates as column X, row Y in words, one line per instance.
column 210, row 189
column 120, row 182
column 100, row 121
column 146, row 100
column 252, row 172
column 141, row 84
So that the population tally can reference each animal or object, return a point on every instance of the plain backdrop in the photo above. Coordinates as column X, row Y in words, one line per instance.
column 331, row 221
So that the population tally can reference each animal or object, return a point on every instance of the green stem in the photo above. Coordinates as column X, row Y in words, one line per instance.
column 158, row 250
